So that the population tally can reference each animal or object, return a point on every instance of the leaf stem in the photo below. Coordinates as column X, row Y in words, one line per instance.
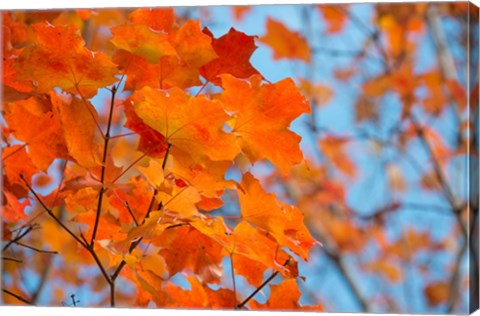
column 128, row 168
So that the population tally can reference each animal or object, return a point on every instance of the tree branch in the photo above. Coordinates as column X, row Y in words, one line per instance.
column 454, row 283
column 50, row 213
column 12, row 259
column 445, row 59
column 88, row 247
column 104, row 167
column 127, row 205
column 122, row 264
column 19, row 236
column 258, row 289
column 234, row 283
column 436, row 164
column 36, row 249
column 18, row 297
column 41, row 284
column 348, row 279
column 128, row 168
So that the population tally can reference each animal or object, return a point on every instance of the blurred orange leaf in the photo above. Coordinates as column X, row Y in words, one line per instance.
column 334, row 150
column 284, row 42
column 437, row 293
column 334, row 17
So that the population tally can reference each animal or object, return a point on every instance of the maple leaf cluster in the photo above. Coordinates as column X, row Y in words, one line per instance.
column 139, row 204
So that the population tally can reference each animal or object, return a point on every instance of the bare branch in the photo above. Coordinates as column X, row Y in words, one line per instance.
column 357, row 294
column 258, row 289
column 36, row 249
column 436, row 163
column 122, row 264
column 127, row 205
column 12, row 259
column 104, row 167
column 18, row 297
column 19, row 236
column 49, row 211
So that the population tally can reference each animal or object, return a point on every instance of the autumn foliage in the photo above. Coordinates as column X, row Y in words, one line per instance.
column 148, row 158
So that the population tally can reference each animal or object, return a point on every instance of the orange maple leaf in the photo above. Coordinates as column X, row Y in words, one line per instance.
column 192, row 124
column 151, row 141
column 262, row 116
column 335, row 18
column 12, row 209
column 285, row 43
column 284, row 222
column 34, row 122
column 159, row 19
column 206, row 176
column 284, row 296
column 334, row 150
column 234, row 50
column 142, row 41
column 77, row 119
column 57, row 57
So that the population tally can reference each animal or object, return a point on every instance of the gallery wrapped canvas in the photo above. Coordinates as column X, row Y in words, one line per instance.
column 308, row 157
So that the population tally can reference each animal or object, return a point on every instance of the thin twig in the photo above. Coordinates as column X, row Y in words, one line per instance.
column 201, row 89
column 127, row 205
column 99, row 264
column 233, row 281
column 92, row 114
column 122, row 264
column 357, row 294
column 36, row 249
column 43, row 280
column 12, row 259
column 310, row 70
column 454, row 282
column 50, row 213
column 123, row 135
column 65, row 162
column 19, row 236
column 18, row 297
column 84, row 243
column 436, row 164
column 128, row 168
column 74, row 302
column 258, row 289
column 112, row 293
column 14, row 152
column 104, row 167
column 373, row 34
